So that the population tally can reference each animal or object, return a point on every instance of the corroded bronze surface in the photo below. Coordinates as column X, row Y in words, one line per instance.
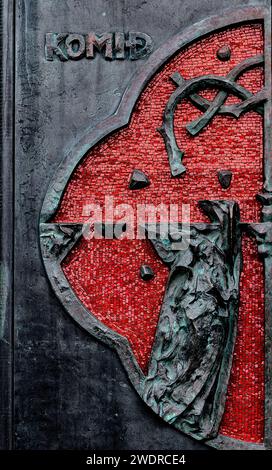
column 191, row 358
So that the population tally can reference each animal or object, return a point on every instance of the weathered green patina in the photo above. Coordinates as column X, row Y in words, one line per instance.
column 191, row 358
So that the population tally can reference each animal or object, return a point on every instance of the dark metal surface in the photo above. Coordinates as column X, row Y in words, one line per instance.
column 70, row 390
column 138, row 180
column 224, row 178
column 224, row 53
column 146, row 272
column 6, row 230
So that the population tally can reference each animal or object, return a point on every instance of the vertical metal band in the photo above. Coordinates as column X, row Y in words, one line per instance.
column 7, row 226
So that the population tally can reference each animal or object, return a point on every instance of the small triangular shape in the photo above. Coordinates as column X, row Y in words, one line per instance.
column 138, row 180
column 224, row 177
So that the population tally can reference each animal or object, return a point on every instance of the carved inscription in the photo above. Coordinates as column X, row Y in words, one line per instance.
column 73, row 46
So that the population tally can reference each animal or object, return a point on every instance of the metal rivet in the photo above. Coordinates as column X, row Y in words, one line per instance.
column 146, row 272
column 224, row 53
column 224, row 177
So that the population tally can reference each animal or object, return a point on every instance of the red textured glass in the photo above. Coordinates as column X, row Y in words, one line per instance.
column 105, row 273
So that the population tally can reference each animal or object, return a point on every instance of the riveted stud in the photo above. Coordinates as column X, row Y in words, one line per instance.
column 224, row 177
column 224, row 53
column 146, row 272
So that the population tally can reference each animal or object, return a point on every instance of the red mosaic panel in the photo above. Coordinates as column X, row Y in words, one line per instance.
column 105, row 274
